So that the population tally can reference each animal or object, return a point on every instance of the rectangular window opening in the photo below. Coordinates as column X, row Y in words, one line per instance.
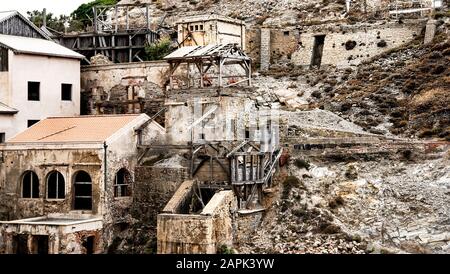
column 34, row 91
column 66, row 92
column 3, row 59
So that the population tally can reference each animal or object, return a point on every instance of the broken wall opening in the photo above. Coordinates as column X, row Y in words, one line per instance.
column 196, row 200
column 319, row 42
column 89, row 244
column 20, row 244
column 40, row 244
column 123, row 183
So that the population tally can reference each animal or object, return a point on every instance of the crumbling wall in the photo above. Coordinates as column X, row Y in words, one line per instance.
column 274, row 45
column 108, row 76
column 232, row 113
column 153, row 187
column 200, row 233
column 42, row 162
column 116, row 83
column 61, row 239
column 351, row 46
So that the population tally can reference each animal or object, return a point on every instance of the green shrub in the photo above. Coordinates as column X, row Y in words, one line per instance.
column 159, row 50
column 84, row 12
column 224, row 249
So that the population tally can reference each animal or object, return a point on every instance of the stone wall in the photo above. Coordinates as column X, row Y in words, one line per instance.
column 153, row 188
column 62, row 239
column 42, row 162
column 351, row 45
column 295, row 45
column 200, row 233
column 114, row 84
column 265, row 49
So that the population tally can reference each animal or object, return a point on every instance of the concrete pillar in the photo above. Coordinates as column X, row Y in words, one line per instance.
column 265, row 49
column 430, row 31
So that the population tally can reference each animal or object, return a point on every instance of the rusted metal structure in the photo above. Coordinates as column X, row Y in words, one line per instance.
column 248, row 167
column 211, row 66
column 114, row 34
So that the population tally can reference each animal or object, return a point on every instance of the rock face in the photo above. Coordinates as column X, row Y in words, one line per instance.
column 392, row 84
column 388, row 207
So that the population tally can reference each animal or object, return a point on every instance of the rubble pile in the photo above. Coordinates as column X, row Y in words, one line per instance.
column 360, row 207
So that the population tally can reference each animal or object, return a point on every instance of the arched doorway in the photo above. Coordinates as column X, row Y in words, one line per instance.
column 82, row 192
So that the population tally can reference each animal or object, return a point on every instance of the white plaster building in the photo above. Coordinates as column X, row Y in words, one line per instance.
column 38, row 77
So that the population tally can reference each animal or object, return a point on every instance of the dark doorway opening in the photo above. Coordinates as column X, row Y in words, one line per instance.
column 20, row 244
column 40, row 244
column 88, row 244
column 317, row 53
column 83, row 191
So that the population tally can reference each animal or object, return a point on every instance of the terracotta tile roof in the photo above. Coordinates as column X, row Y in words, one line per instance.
column 74, row 129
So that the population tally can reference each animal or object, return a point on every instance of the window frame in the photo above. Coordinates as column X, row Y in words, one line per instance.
column 22, row 185
column 57, row 173
column 4, row 59
column 62, row 92
column 128, row 186
column 29, row 83
column 75, row 197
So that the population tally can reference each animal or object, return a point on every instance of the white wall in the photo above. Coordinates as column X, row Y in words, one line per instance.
column 334, row 52
column 51, row 72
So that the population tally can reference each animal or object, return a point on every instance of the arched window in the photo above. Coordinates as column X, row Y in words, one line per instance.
column 122, row 183
column 56, row 186
column 82, row 191
column 30, row 185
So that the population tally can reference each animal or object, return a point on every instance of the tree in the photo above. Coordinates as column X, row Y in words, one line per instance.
column 159, row 50
column 37, row 17
column 85, row 13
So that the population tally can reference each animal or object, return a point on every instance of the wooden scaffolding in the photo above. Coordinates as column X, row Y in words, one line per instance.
column 114, row 34
column 215, row 66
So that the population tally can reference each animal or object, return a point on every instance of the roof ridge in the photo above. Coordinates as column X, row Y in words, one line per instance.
column 93, row 116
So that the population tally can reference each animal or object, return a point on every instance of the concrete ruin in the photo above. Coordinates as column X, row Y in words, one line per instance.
column 78, row 170
column 203, row 30
column 183, row 231
column 231, row 101
column 328, row 45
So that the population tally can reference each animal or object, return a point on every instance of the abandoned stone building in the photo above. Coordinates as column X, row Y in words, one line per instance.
column 179, row 155
column 38, row 77
column 202, row 30
column 66, row 182
column 340, row 46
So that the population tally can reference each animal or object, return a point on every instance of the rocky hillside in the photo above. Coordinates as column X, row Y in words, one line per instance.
column 405, row 91
column 270, row 12
column 381, row 206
